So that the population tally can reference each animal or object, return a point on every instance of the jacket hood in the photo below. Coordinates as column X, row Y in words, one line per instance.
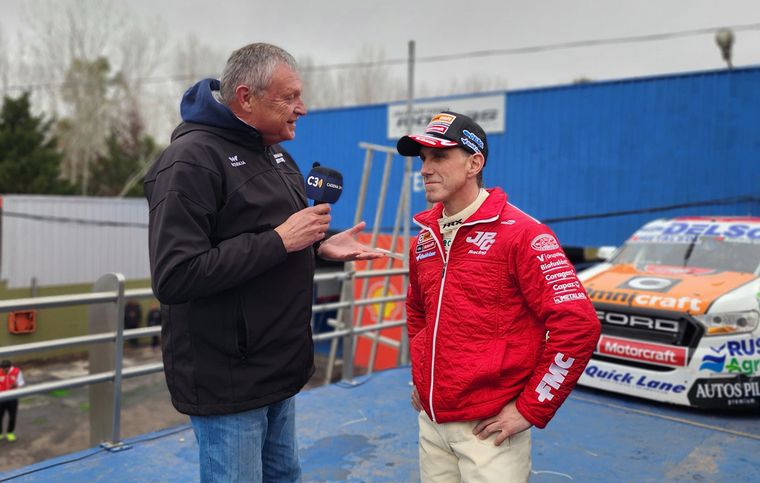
column 199, row 106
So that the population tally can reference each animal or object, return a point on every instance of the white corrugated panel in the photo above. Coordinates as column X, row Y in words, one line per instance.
column 62, row 240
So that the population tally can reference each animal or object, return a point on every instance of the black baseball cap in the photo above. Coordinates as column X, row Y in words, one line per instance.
column 446, row 130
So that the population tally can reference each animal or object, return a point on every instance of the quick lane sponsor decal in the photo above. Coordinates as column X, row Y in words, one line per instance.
column 734, row 356
column 643, row 382
column 544, row 243
column 646, row 300
column 726, row 392
column 642, row 351
column 554, row 377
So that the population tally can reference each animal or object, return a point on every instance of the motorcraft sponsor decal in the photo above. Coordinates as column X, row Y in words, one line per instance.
column 625, row 285
column 688, row 231
column 726, row 392
column 740, row 356
column 634, row 381
column 665, row 355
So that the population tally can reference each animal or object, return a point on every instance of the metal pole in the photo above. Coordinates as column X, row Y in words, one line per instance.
column 118, row 360
column 404, row 350
column 347, row 372
column 104, row 317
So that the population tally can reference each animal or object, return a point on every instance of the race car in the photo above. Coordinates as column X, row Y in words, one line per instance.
column 679, row 305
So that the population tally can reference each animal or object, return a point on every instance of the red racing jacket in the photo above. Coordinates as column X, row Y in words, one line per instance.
column 503, row 317
column 8, row 380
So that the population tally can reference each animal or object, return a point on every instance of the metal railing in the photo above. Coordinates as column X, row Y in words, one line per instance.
column 107, row 335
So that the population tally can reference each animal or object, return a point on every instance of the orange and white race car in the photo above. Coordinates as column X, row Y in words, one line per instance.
column 679, row 305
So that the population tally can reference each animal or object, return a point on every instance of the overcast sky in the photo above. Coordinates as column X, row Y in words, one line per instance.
column 332, row 31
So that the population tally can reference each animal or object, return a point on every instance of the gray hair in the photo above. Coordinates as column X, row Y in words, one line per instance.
column 253, row 66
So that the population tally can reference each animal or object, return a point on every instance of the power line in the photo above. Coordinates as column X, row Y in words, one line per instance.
column 448, row 57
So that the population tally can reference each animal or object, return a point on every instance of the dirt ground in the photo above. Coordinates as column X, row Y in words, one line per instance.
column 56, row 424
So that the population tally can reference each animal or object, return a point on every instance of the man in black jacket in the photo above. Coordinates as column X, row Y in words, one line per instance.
column 231, row 244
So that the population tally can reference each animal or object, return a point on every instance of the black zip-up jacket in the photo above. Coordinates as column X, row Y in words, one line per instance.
column 235, row 306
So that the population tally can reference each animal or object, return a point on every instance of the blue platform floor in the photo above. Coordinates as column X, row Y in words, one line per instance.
column 368, row 433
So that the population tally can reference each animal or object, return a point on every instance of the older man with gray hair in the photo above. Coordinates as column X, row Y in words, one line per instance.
column 232, row 243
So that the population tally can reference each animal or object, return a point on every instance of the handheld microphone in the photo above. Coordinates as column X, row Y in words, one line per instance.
column 323, row 185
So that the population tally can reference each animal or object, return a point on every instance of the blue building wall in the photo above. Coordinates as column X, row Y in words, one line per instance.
column 587, row 149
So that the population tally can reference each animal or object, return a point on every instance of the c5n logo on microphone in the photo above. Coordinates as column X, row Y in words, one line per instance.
column 314, row 181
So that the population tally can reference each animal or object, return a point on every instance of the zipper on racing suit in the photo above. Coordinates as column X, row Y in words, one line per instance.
column 440, row 300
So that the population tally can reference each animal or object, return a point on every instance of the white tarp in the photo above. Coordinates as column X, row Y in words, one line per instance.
column 62, row 240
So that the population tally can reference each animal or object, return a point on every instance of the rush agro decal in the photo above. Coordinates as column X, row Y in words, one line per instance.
column 741, row 356
column 625, row 285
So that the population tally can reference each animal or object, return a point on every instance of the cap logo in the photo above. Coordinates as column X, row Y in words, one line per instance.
column 469, row 144
column 440, row 123
column 473, row 138
column 434, row 141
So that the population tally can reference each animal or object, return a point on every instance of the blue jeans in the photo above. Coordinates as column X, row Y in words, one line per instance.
column 257, row 445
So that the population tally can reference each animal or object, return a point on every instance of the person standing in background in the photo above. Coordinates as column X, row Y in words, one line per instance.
column 11, row 377
column 154, row 320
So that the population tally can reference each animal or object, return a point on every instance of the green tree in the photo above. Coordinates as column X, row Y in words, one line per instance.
column 128, row 153
column 29, row 160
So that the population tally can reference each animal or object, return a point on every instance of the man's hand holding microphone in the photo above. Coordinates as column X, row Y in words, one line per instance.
column 308, row 226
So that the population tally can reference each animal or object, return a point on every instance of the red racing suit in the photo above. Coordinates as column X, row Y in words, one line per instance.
column 8, row 380
column 503, row 317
